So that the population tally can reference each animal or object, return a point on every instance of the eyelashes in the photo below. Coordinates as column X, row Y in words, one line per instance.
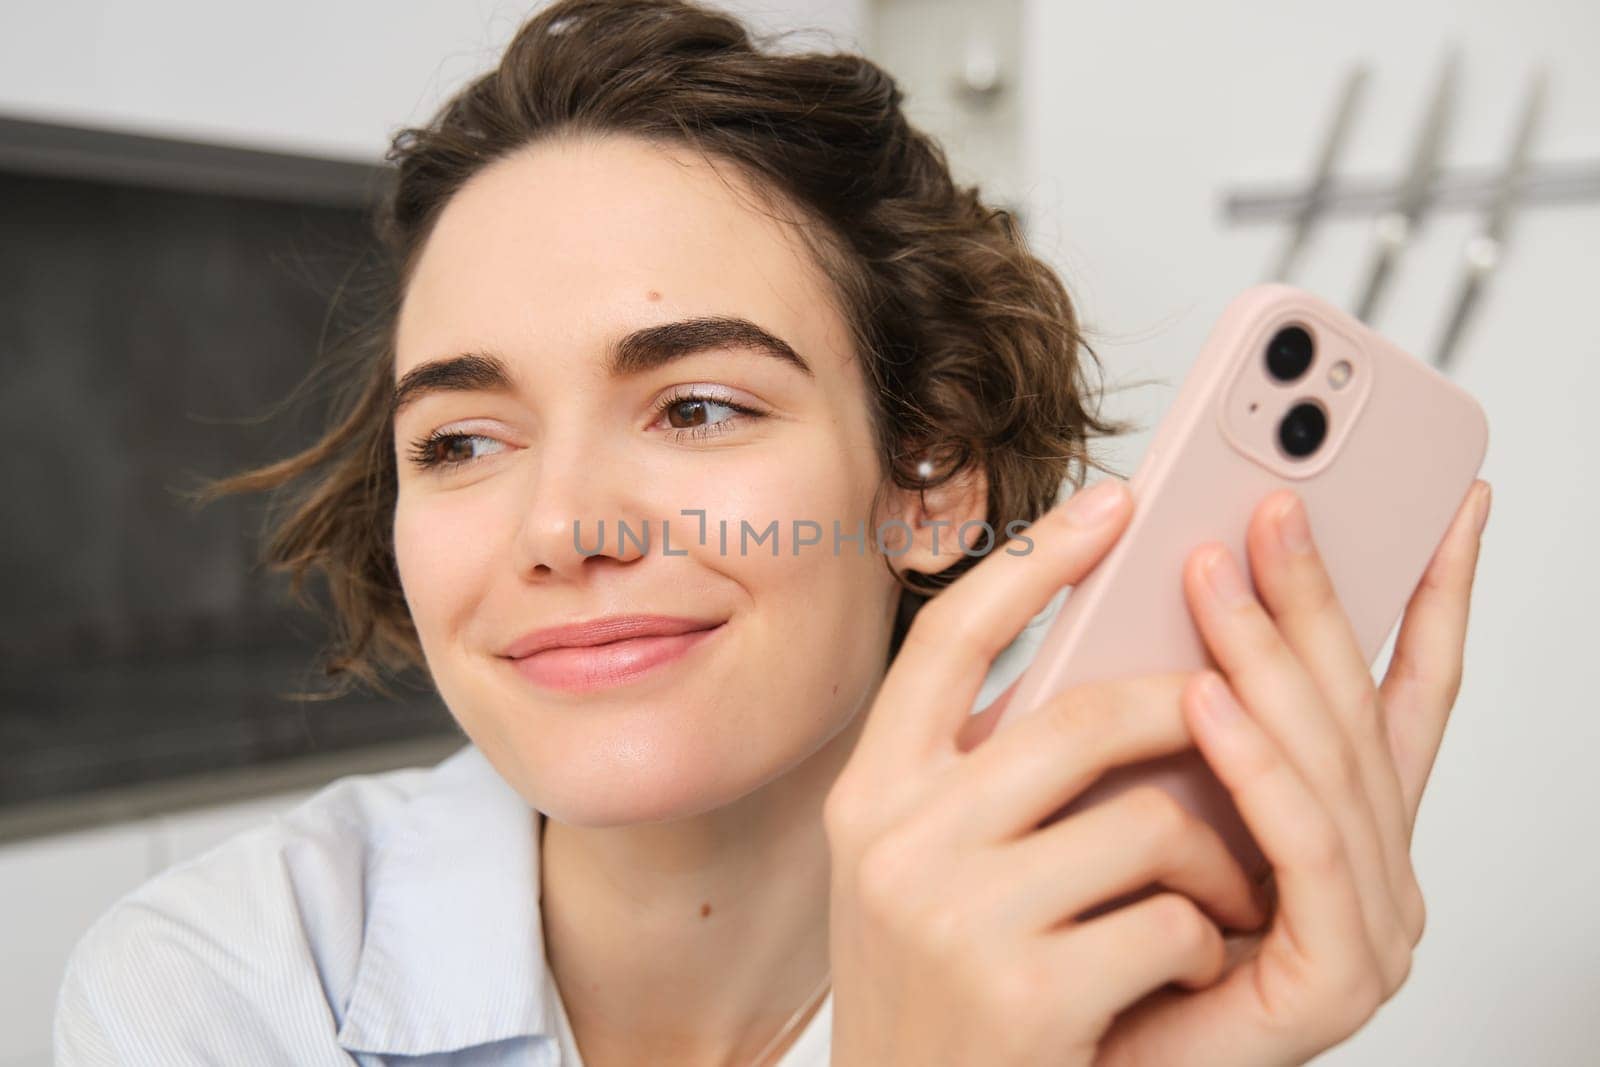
column 434, row 451
column 676, row 401
column 425, row 451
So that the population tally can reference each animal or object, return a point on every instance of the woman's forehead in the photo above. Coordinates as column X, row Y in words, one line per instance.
column 570, row 241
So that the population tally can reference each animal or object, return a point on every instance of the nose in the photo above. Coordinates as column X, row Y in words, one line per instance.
column 579, row 512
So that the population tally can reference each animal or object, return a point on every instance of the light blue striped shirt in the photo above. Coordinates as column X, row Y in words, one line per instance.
column 389, row 919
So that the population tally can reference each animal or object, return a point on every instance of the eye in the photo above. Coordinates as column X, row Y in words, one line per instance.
column 699, row 414
column 441, row 450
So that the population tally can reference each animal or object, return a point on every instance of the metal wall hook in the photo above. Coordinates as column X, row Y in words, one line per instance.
column 1396, row 226
column 981, row 81
column 1400, row 205
column 1482, row 253
column 1313, row 202
column 1454, row 190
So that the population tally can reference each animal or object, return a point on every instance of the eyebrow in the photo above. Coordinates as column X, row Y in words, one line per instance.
column 642, row 350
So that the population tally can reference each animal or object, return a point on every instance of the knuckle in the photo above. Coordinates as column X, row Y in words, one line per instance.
column 1179, row 922
column 882, row 875
column 1396, row 967
column 1348, row 996
column 1439, row 579
column 1163, row 822
column 1369, row 713
column 1337, row 767
column 946, row 929
column 1414, row 911
column 1262, row 767
column 1403, row 667
column 1261, row 643
column 1439, row 683
column 1082, row 716
column 1451, row 683
column 946, row 630
column 1322, row 849
column 1315, row 593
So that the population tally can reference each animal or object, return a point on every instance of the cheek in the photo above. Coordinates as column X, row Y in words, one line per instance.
column 446, row 546
column 754, row 497
column 815, row 617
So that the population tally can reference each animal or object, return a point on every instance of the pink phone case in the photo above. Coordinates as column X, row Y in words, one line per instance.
column 1403, row 446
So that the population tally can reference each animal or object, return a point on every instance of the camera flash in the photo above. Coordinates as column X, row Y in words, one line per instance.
column 1339, row 373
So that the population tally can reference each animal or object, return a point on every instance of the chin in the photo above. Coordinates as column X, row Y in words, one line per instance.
column 636, row 800
column 646, row 757
column 628, row 784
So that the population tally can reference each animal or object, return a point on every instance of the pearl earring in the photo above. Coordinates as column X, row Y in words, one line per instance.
column 925, row 469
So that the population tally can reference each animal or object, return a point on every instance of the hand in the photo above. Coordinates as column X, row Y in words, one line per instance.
column 950, row 930
column 1328, row 772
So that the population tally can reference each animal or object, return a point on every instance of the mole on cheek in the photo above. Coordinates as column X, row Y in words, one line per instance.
column 705, row 909
column 652, row 295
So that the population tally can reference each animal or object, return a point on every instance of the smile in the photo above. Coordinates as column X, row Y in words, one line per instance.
column 585, row 668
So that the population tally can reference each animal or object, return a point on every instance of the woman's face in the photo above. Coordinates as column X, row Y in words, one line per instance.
column 543, row 262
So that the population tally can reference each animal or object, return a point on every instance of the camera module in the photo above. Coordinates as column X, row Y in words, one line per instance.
column 1302, row 430
column 1289, row 353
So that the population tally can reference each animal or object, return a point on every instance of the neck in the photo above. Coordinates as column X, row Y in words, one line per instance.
column 693, row 941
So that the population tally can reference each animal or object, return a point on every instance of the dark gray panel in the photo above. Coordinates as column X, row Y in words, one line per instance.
column 139, row 323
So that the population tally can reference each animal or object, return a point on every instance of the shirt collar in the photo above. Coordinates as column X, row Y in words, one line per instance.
column 453, row 954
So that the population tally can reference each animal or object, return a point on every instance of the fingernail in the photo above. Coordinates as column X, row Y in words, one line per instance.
column 1483, row 506
column 1217, row 701
column 1294, row 533
column 1088, row 506
column 1224, row 578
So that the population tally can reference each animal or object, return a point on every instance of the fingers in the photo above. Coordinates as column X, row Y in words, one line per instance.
column 1319, row 913
column 1138, row 837
column 931, row 686
column 1289, row 708
column 1163, row 938
column 1297, row 591
column 1424, row 674
column 1005, row 787
column 980, row 725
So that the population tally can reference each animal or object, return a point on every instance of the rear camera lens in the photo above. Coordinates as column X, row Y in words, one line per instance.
column 1302, row 430
column 1289, row 353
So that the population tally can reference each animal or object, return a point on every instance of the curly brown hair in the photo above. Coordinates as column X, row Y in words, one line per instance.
column 969, row 343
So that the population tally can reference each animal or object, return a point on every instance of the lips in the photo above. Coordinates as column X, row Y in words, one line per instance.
column 604, row 631
column 606, row 652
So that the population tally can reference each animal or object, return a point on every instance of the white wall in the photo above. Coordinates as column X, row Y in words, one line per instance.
column 52, row 888
column 1138, row 116
column 303, row 75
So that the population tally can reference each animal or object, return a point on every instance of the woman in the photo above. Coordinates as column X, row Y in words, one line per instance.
column 724, row 800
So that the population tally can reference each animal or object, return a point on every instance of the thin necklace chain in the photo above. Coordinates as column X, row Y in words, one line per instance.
column 788, row 1027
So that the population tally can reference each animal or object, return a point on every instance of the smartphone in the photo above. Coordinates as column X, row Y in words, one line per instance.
column 1288, row 390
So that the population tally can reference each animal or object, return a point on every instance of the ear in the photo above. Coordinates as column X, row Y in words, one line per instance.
column 935, row 516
